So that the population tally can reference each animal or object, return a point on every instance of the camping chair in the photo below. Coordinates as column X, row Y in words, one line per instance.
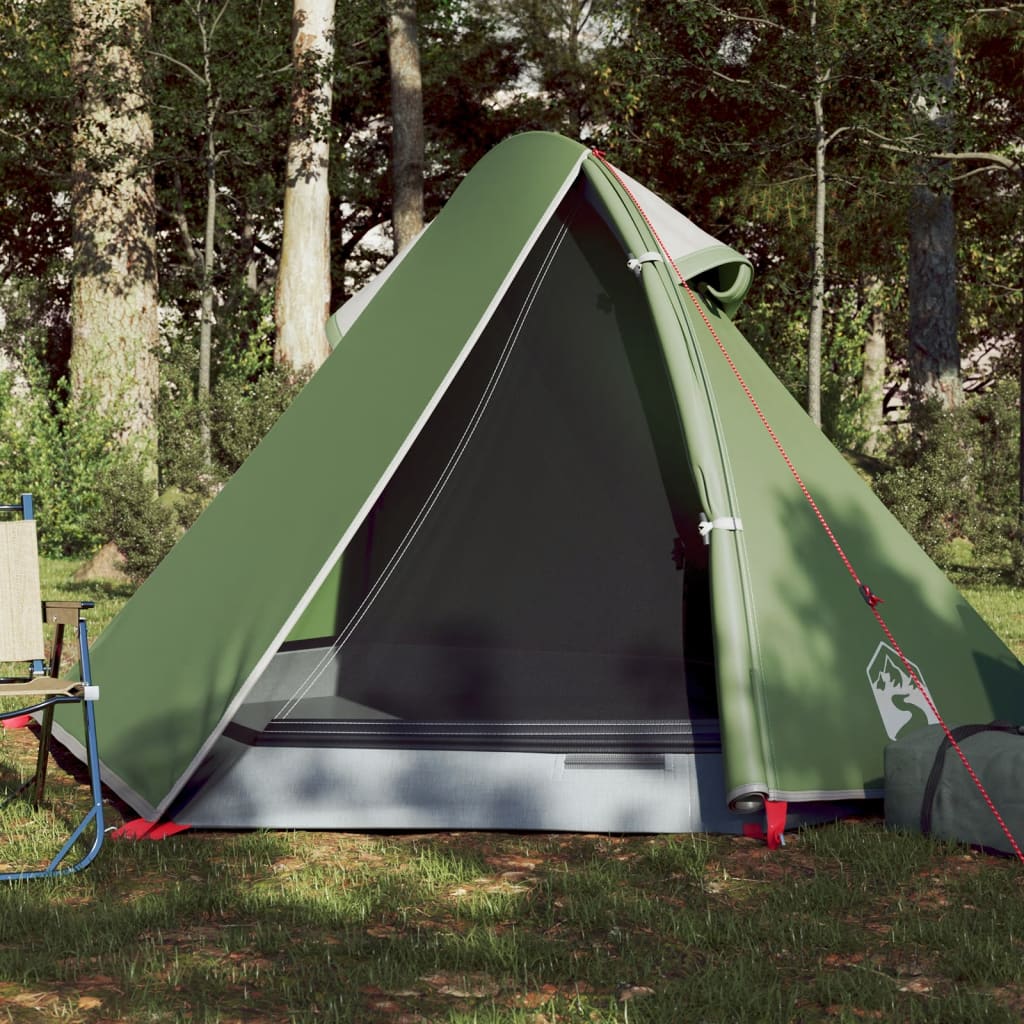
column 38, row 692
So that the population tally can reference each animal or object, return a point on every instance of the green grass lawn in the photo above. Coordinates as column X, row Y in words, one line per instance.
column 847, row 922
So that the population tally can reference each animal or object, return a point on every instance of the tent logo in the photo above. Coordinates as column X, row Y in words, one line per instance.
column 900, row 702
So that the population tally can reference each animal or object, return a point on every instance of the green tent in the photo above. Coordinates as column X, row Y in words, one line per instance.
column 525, row 554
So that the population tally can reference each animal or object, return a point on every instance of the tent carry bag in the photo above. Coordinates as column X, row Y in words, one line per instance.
column 928, row 790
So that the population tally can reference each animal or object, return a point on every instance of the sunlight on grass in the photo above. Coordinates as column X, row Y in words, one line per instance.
column 849, row 922
column 1002, row 607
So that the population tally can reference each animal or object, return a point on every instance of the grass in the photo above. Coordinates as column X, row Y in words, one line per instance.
column 848, row 922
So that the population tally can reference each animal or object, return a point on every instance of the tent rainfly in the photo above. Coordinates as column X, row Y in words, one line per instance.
column 525, row 554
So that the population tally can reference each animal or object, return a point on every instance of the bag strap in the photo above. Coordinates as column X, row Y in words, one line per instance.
column 960, row 733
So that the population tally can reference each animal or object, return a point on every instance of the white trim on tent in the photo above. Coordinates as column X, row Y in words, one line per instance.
column 357, row 522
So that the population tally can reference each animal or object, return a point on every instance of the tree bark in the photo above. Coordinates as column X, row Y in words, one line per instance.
column 818, row 262
column 115, row 330
column 872, row 385
column 303, row 294
column 934, row 355
column 407, row 140
column 934, row 346
column 206, row 296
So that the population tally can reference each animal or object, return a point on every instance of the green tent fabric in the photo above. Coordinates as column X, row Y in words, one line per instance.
column 447, row 570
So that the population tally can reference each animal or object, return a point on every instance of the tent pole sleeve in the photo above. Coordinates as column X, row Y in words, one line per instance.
column 745, row 741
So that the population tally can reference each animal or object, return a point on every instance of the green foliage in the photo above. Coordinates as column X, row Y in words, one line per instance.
column 180, row 455
column 249, row 394
column 220, row 77
column 243, row 411
column 954, row 476
column 775, row 323
column 842, row 403
column 36, row 111
column 60, row 452
column 129, row 513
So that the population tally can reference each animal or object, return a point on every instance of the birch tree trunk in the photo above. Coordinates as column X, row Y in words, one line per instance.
column 821, row 142
column 303, row 292
column 114, row 291
column 872, row 384
column 206, row 295
column 814, row 341
column 407, row 145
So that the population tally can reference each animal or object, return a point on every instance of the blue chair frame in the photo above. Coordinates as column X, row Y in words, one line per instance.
column 43, row 683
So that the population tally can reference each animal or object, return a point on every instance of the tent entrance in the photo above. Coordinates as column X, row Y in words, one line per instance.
column 514, row 587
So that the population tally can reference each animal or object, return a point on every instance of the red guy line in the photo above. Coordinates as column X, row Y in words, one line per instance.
column 872, row 599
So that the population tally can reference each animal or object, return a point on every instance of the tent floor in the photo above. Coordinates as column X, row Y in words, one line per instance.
column 365, row 789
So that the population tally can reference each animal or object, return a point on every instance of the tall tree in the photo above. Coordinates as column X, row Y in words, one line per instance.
column 35, row 163
column 207, row 22
column 303, row 292
column 222, row 75
column 407, row 139
column 114, row 297
column 819, row 84
column 763, row 149
column 934, row 343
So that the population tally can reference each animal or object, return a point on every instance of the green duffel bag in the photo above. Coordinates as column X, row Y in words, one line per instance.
column 928, row 789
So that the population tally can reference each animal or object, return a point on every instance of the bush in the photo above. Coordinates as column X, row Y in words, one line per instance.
column 89, row 490
column 779, row 335
column 954, row 475
column 180, row 459
column 58, row 451
column 143, row 527
column 243, row 412
column 249, row 393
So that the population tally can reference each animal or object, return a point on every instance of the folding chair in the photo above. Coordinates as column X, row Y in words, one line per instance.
column 40, row 690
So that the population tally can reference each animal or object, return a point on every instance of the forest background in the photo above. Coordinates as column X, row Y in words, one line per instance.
column 189, row 187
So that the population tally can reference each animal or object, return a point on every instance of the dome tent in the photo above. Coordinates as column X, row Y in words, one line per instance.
column 522, row 554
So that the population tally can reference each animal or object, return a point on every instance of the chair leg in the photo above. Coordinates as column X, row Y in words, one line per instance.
column 93, row 817
column 43, row 755
column 46, row 724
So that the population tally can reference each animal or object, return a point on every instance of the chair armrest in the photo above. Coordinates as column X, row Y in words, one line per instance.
column 64, row 613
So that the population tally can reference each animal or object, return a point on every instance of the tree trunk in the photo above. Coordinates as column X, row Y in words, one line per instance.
column 303, row 295
column 114, row 292
column 872, row 383
column 934, row 354
column 818, row 264
column 407, row 145
column 206, row 298
column 934, row 346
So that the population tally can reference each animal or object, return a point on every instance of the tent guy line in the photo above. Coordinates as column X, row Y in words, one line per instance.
column 872, row 600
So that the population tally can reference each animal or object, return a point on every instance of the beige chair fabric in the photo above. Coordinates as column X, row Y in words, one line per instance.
column 21, row 620
column 41, row 686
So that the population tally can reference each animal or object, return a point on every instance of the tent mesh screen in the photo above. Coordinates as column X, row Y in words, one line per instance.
column 518, row 568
